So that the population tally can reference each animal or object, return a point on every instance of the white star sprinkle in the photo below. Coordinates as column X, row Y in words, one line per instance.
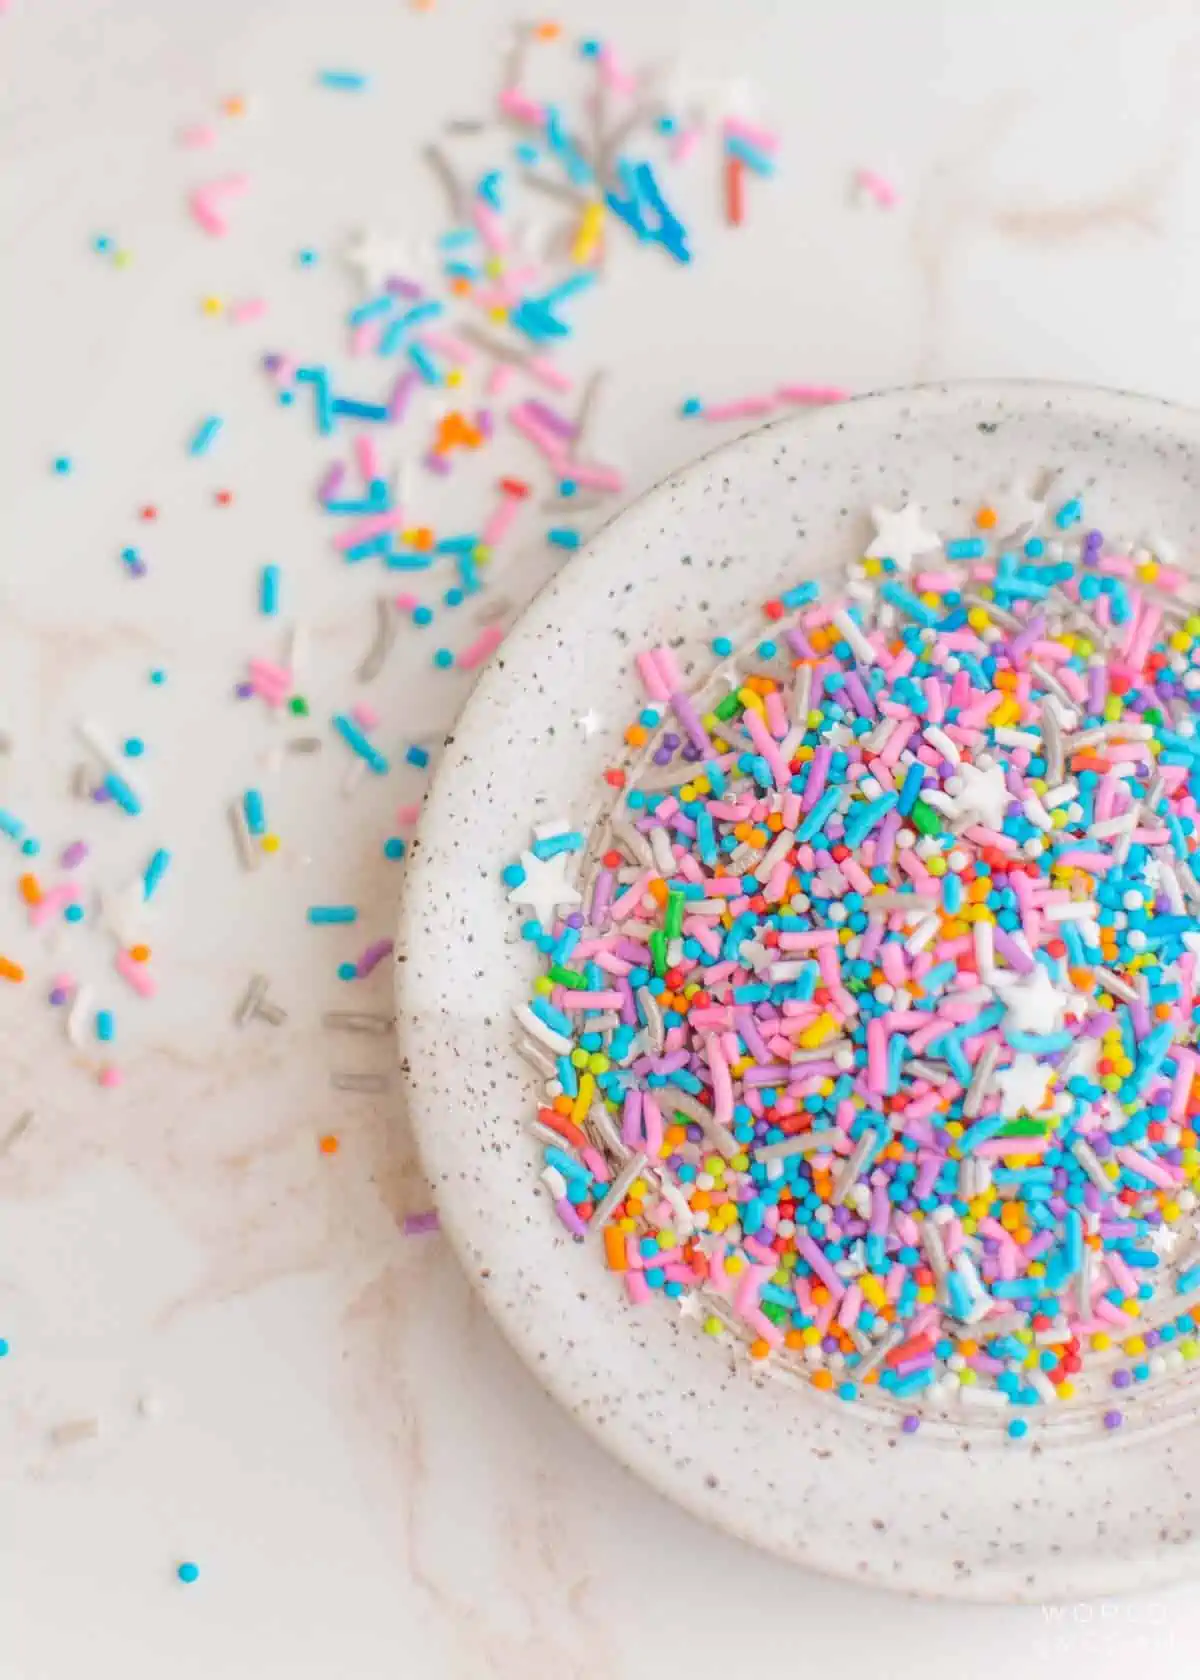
column 1017, row 512
column 977, row 792
column 588, row 723
column 901, row 536
column 1164, row 1239
column 545, row 888
column 1022, row 1086
column 1034, row 1003
column 376, row 257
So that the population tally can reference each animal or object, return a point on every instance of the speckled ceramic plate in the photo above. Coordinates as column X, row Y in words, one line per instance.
column 957, row 1511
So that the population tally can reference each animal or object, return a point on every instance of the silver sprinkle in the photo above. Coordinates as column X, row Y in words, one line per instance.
column 381, row 645
column 371, row 1083
column 255, row 991
column 615, row 1194
column 980, row 1080
column 16, row 1131
column 349, row 1020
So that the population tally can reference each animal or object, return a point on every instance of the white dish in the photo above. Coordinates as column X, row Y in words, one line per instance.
column 958, row 1512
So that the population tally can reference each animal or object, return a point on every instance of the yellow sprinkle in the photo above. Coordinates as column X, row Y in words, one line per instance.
column 591, row 225
column 815, row 1035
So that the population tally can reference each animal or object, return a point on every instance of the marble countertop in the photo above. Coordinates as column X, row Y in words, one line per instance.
column 221, row 1345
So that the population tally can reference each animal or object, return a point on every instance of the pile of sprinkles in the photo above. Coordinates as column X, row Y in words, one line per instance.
column 869, row 1013
column 450, row 345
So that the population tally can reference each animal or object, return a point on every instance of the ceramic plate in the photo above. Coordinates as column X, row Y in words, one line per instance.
column 954, row 1511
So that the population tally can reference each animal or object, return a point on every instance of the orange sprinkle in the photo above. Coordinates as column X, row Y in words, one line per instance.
column 658, row 890
column 10, row 970
column 329, row 1144
column 822, row 1379
column 548, row 31
column 31, row 892
column 636, row 735
column 759, row 1349
column 422, row 539
column 986, row 518
column 614, row 1249
column 234, row 106
column 140, row 953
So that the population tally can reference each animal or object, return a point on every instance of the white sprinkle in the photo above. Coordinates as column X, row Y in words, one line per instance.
column 859, row 645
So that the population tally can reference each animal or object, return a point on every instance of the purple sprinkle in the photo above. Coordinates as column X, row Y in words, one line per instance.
column 1113, row 1420
column 59, row 996
column 1121, row 1379
column 100, row 796
column 272, row 362
column 911, row 1424
column 372, row 957
column 244, row 690
column 419, row 1224
column 74, row 854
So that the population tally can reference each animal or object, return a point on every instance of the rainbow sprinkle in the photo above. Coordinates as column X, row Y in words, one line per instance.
column 869, row 1012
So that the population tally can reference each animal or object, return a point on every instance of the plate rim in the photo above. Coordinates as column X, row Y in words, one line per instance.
column 1088, row 1578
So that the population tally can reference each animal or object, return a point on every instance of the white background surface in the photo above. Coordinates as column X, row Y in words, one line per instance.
column 368, row 1480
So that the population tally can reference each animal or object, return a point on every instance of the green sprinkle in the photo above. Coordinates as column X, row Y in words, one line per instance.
column 658, row 950
column 673, row 920
column 925, row 819
column 565, row 977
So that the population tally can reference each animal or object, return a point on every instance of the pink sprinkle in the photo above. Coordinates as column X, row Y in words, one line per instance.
column 51, row 902
column 685, row 144
column 490, row 227
column 374, row 525
column 198, row 137
column 111, row 1077
column 538, row 435
column 500, row 379
column 406, row 603
column 486, row 643
column 366, row 717
column 499, row 522
column 593, row 477
column 541, row 368
column 135, row 974
column 812, row 395
column 407, row 815
column 248, row 309
column 615, row 76
column 761, row 138
column 64, row 983
column 878, row 188
column 447, row 344
column 203, row 202
column 514, row 103
column 744, row 409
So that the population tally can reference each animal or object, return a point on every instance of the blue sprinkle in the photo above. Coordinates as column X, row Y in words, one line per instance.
column 205, row 435
column 346, row 81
